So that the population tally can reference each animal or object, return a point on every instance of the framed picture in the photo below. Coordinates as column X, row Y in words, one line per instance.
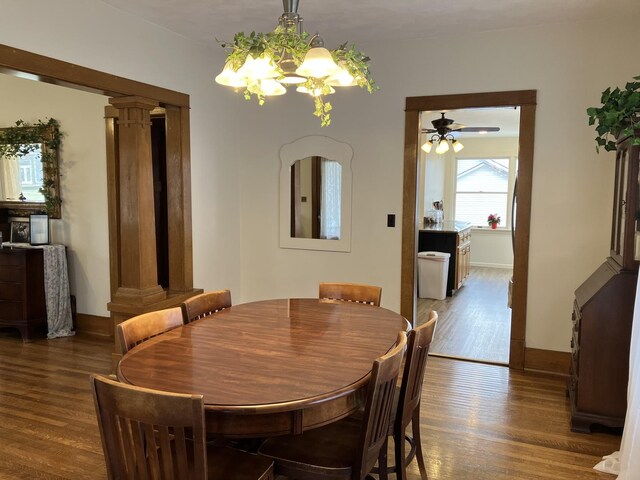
column 39, row 228
column 19, row 232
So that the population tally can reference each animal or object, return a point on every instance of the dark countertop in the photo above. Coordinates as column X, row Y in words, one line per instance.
column 447, row 226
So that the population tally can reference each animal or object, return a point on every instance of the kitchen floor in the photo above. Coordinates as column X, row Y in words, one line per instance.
column 475, row 323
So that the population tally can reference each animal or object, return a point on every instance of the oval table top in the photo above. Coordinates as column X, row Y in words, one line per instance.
column 269, row 367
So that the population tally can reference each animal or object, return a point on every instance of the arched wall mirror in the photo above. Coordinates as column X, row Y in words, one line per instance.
column 315, row 194
column 23, row 178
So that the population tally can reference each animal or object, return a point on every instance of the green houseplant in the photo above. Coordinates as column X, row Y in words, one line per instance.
column 618, row 115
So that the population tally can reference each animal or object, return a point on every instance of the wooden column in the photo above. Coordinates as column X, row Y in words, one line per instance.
column 138, row 282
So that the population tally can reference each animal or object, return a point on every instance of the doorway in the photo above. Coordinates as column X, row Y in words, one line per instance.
column 526, row 100
column 457, row 192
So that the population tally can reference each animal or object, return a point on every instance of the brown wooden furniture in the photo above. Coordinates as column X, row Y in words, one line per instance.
column 351, row 292
column 205, row 304
column 407, row 407
column 271, row 367
column 22, row 298
column 603, row 312
column 148, row 325
column 453, row 238
column 347, row 449
column 150, row 434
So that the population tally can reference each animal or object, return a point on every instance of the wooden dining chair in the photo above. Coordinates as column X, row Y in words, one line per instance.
column 148, row 325
column 407, row 404
column 351, row 292
column 347, row 449
column 159, row 435
column 205, row 304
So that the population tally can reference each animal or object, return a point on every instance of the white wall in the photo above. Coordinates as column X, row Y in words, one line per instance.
column 572, row 185
column 83, row 227
column 235, row 146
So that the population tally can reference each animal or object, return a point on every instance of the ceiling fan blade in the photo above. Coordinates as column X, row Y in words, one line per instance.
column 456, row 126
column 479, row 129
column 429, row 130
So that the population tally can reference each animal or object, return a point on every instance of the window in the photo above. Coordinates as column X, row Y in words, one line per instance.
column 482, row 188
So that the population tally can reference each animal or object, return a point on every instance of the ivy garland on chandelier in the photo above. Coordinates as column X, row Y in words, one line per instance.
column 280, row 53
column 25, row 138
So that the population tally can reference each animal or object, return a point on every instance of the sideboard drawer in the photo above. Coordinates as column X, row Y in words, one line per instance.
column 11, row 291
column 11, row 311
column 12, row 260
column 22, row 296
column 11, row 273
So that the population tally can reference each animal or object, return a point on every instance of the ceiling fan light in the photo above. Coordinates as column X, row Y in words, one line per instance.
column 230, row 78
column 443, row 146
column 318, row 63
column 457, row 146
column 427, row 146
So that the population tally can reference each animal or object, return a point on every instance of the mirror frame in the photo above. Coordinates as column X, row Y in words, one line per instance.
column 50, row 179
column 322, row 146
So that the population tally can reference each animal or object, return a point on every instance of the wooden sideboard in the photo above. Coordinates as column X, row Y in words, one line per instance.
column 453, row 238
column 22, row 297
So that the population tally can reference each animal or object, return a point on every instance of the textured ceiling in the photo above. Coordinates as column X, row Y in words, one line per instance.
column 360, row 21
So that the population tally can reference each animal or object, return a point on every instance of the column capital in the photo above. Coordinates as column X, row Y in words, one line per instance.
column 133, row 102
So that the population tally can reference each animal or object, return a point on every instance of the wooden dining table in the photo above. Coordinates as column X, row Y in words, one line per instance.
column 270, row 367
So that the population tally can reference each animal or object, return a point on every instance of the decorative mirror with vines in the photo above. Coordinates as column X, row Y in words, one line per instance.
column 29, row 176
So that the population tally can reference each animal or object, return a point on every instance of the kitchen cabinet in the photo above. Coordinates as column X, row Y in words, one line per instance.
column 603, row 312
column 453, row 238
column 22, row 296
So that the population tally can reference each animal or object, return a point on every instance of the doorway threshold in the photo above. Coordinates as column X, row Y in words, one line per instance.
column 466, row 359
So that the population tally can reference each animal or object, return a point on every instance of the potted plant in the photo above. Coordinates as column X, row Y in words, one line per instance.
column 493, row 220
column 618, row 115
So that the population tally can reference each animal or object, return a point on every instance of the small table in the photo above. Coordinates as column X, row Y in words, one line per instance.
column 270, row 367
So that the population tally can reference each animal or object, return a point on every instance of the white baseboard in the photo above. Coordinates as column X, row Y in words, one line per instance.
column 492, row 265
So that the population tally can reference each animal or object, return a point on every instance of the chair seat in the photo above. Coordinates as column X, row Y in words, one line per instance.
column 225, row 463
column 329, row 448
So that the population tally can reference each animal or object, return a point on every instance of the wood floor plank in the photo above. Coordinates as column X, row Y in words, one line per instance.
column 475, row 322
column 478, row 421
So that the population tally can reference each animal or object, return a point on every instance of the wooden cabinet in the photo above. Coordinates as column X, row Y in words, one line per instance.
column 22, row 298
column 603, row 313
column 463, row 257
column 453, row 238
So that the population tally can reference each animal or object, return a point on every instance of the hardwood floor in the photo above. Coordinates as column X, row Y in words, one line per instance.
column 478, row 421
column 475, row 323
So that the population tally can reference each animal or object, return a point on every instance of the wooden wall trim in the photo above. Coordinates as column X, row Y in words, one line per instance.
column 549, row 361
column 58, row 72
column 526, row 99
column 94, row 324
column 408, row 275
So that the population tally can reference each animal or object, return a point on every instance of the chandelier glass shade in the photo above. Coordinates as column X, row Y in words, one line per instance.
column 442, row 144
column 264, row 64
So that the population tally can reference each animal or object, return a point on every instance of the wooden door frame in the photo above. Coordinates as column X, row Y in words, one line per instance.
column 526, row 100
column 25, row 64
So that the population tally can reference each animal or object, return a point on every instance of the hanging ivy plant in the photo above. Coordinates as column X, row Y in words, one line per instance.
column 280, row 42
column 45, row 137
column 619, row 115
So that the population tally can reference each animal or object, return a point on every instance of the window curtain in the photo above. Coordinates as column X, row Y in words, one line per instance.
column 330, row 201
column 626, row 462
column 9, row 178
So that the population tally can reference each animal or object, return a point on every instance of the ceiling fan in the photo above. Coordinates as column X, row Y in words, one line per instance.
column 442, row 134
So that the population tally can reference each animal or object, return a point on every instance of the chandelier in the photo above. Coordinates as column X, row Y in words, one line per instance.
column 266, row 64
column 442, row 144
